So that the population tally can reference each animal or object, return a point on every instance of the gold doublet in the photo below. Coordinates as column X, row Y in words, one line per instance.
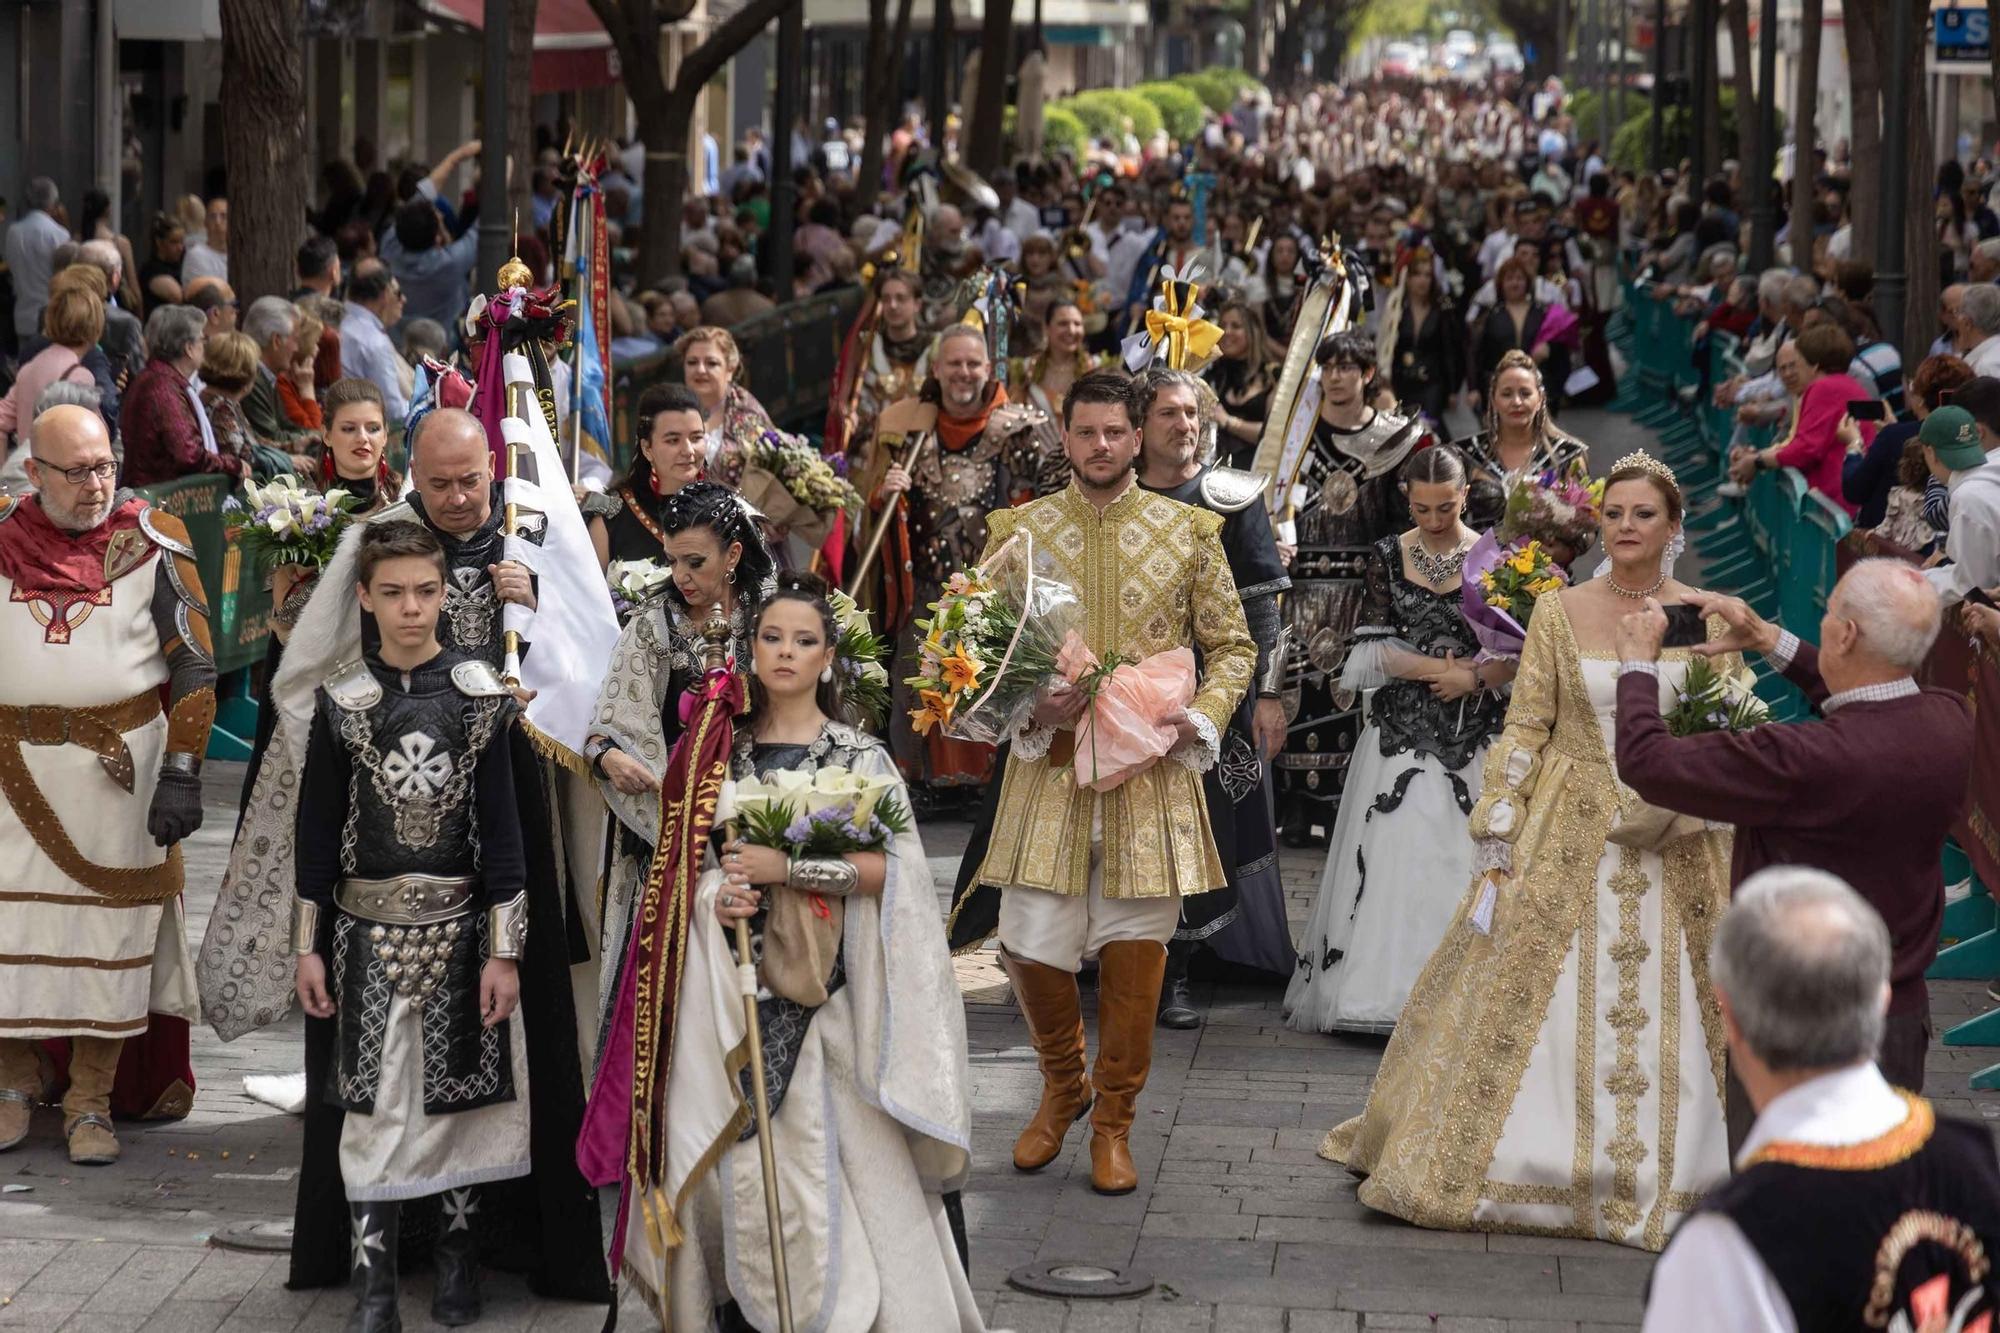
column 1152, row 576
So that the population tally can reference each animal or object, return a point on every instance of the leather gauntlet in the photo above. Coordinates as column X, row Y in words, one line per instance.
column 828, row 876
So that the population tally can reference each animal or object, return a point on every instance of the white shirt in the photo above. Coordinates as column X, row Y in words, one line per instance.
column 366, row 353
column 1022, row 218
column 1973, row 543
column 1493, row 251
column 1985, row 358
column 203, row 261
column 1711, row 1277
column 201, row 413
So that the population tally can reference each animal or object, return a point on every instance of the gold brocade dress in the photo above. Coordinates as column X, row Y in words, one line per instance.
column 1562, row 1074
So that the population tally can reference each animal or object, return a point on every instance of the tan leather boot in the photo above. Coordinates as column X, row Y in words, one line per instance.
column 1048, row 999
column 1129, row 973
column 20, row 1087
column 93, row 1065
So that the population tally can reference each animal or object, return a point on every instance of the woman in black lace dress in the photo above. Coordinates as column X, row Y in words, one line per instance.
column 1400, row 857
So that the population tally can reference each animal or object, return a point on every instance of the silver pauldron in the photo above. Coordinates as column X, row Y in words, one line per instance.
column 828, row 876
column 305, row 926
column 1274, row 670
column 507, row 927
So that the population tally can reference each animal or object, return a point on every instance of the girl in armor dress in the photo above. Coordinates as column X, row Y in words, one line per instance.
column 865, row 1062
column 717, row 561
column 1401, row 858
column 625, row 521
column 1519, row 440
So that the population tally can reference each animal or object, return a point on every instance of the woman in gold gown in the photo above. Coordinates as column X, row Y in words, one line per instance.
column 1559, row 1066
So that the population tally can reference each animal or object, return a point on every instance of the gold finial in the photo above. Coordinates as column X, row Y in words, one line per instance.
column 1645, row 462
column 515, row 274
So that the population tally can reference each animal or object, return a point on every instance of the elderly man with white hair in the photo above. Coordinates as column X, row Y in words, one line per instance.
column 273, row 323
column 1854, row 1204
column 1868, row 794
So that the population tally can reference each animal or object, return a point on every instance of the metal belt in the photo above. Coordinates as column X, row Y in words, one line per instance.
column 406, row 900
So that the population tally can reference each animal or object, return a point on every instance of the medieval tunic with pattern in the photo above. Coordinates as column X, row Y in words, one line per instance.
column 96, row 622
column 1152, row 575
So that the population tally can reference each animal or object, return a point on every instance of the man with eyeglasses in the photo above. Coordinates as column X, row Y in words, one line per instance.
column 99, row 780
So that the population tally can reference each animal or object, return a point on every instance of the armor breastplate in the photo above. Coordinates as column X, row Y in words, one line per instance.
column 410, row 808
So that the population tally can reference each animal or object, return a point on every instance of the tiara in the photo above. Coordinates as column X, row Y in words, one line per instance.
column 1645, row 462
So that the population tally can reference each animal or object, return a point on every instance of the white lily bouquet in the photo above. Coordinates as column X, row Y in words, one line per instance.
column 634, row 583
column 283, row 523
column 1710, row 700
column 828, row 813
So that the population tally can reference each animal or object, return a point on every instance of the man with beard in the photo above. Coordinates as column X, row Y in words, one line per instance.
column 99, row 783
column 1246, row 925
column 456, row 500
column 1087, row 875
column 1173, row 246
column 939, row 464
column 1345, row 498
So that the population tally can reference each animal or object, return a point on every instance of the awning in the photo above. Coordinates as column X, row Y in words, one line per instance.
column 572, row 50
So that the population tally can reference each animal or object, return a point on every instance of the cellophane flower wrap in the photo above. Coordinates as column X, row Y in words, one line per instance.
column 808, row 476
column 1125, row 729
column 1710, row 700
column 283, row 523
column 634, row 583
column 858, row 657
column 1508, row 568
column 991, row 643
column 828, row 813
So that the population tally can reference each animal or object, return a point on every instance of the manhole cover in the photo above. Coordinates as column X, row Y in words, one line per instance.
column 1072, row 1280
column 262, row 1237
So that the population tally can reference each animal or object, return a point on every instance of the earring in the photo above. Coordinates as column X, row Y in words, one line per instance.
column 732, row 574
column 825, row 675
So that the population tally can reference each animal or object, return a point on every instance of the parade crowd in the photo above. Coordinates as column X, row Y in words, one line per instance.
column 1145, row 532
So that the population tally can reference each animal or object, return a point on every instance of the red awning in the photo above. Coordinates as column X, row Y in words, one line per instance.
column 572, row 50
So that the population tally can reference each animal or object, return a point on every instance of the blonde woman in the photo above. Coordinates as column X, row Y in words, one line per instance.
column 731, row 414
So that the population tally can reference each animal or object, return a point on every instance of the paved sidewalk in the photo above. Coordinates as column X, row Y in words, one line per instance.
column 1244, row 1228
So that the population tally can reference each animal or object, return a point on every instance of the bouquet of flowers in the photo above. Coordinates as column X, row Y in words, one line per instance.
column 796, row 486
column 1124, row 730
column 283, row 523
column 992, row 642
column 634, row 583
column 1548, row 522
column 858, row 657
column 1708, row 700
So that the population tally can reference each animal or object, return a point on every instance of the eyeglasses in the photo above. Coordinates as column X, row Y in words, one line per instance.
column 76, row 476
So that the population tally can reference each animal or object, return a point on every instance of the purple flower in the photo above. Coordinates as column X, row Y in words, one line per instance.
column 799, row 830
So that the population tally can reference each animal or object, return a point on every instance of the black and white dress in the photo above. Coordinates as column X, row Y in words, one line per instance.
column 1401, row 858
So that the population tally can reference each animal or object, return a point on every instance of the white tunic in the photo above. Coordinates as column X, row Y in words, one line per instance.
column 73, row 961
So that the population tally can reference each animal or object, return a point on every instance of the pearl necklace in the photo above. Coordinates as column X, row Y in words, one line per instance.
column 1638, row 596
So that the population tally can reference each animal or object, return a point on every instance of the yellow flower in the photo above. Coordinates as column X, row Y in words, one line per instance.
column 936, row 711
column 959, row 671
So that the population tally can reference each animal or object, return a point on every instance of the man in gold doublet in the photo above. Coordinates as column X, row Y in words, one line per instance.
column 1084, row 874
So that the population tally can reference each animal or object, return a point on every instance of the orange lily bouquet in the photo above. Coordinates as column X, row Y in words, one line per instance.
column 992, row 642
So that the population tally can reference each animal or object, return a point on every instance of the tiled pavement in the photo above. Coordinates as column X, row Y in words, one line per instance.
column 1244, row 1229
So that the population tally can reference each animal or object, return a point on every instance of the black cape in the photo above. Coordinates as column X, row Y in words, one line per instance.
column 546, row 1224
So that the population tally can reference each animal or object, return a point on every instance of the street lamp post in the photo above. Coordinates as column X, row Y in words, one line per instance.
column 1891, row 262
column 496, row 238
column 1763, row 214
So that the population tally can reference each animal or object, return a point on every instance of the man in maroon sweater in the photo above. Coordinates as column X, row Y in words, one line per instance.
column 1867, row 794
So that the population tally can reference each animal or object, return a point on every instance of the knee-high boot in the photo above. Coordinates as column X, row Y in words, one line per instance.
column 93, row 1068
column 1049, row 1001
column 456, row 1255
column 373, row 1249
column 1129, row 973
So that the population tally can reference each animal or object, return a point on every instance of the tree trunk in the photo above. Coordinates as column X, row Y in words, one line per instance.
column 1744, row 58
column 1805, row 104
column 982, row 150
column 883, row 93
column 520, row 112
column 263, row 143
column 944, row 45
column 1711, row 126
column 875, row 59
column 1535, row 25
column 1920, row 309
column 1864, row 67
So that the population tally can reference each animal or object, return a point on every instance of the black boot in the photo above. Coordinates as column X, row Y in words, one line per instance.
column 456, row 1258
column 373, row 1256
column 1176, row 1008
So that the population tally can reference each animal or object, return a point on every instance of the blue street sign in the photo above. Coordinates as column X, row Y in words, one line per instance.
column 1962, row 36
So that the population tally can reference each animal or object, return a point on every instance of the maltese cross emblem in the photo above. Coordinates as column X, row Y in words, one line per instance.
column 414, row 769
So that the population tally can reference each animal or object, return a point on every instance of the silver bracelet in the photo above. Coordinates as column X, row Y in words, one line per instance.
column 305, row 926
column 507, row 927
column 828, row 876
column 180, row 761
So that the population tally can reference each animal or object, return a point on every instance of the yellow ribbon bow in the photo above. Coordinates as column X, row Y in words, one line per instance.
column 1184, row 338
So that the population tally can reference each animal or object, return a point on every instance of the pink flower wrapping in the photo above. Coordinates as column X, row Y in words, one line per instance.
column 1125, row 729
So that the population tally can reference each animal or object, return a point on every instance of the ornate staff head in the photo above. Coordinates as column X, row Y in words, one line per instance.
column 1175, row 334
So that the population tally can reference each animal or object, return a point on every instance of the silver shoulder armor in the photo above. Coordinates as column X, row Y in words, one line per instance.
column 1228, row 490
column 400, row 512
column 161, row 539
column 477, row 679
column 353, row 687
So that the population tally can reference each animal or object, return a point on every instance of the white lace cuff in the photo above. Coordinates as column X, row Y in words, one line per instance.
column 1788, row 648
column 1492, row 854
column 1199, row 754
column 1032, row 742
